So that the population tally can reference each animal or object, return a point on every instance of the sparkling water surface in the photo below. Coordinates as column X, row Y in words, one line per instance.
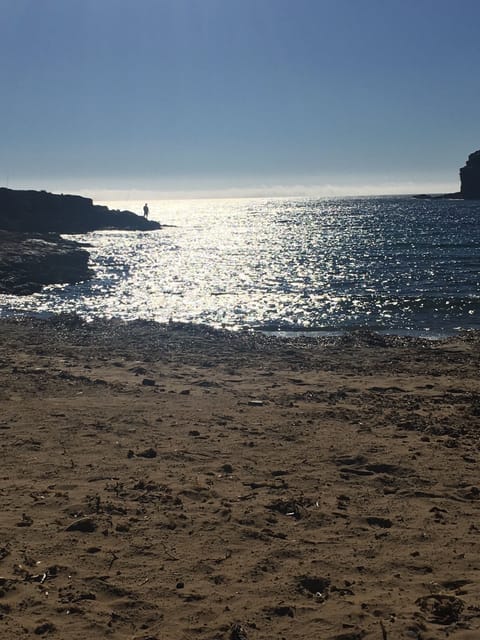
column 394, row 264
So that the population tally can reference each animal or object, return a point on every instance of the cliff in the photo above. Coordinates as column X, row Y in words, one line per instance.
column 469, row 182
column 43, row 212
column 30, row 261
column 470, row 177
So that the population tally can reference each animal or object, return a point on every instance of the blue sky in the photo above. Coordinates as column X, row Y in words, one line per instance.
column 238, row 96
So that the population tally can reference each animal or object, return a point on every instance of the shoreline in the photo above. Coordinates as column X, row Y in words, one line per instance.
column 280, row 334
column 166, row 275
column 177, row 481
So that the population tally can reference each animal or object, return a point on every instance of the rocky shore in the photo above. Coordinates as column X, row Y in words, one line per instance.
column 171, row 481
column 39, row 211
column 33, row 254
column 28, row 262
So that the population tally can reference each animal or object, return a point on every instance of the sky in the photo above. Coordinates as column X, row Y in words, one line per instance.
column 167, row 98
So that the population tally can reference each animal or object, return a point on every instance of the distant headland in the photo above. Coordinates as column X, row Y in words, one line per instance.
column 44, row 212
column 33, row 254
column 469, row 182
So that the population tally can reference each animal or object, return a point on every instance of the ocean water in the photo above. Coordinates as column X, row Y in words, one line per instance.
column 390, row 264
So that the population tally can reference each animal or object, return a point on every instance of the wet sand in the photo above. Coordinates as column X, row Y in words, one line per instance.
column 167, row 482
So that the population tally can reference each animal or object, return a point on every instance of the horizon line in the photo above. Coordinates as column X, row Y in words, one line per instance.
column 299, row 190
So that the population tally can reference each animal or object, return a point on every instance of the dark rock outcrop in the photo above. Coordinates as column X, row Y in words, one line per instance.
column 470, row 177
column 32, row 254
column 44, row 212
column 30, row 261
column 445, row 196
column 469, row 182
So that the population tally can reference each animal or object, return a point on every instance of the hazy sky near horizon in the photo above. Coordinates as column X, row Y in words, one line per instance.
column 238, row 96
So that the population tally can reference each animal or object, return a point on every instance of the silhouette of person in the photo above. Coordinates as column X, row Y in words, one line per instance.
column 145, row 210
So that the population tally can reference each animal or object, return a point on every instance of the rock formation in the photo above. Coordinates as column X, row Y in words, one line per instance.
column 470, row 177
column 469, row 182
column 32, row 254
column 42, row 212
column 30, row 261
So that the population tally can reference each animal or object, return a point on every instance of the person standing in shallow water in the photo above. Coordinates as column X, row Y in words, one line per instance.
column 145, row 210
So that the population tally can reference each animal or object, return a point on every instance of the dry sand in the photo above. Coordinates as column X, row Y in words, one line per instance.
column 165, row 482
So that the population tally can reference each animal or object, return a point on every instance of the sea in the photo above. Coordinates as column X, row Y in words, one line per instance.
column 286, row 266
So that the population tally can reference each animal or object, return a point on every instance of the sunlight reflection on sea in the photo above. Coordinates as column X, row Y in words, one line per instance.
column 393, row 264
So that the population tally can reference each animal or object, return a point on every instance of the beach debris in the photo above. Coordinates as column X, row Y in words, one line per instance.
column 343, row 502
column 277, row 473
column 4, row 552
column 375, row 521
column 227, row 468
column 180, row 585
column 114, row 558
column 138, row 371
column 147, row 453
column 41, row 577
column 44, row 628
column 168, row 553
column 255, row 403
column 314, row 586
column 238, row 632
column 384, row 631
column 295, row 508
column 148, row 382
column 85, row 525
column 442, row 609
column 346, row 471
column 26, row 521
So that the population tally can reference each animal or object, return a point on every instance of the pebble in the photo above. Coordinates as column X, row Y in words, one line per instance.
column 148, row 453
column 227, row 468
column 85, row 525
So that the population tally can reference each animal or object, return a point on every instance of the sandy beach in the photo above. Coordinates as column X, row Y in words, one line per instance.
column 169, row 482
